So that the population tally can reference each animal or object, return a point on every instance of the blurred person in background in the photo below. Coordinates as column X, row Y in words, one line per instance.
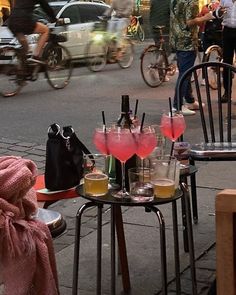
column 5, row 14
column 21, row 23
column 210, row 31
column 227, row 11
column 184, row 22
column 120, row 12
column 158, row 15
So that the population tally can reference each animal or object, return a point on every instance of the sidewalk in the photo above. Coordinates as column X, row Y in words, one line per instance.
column 142, row 236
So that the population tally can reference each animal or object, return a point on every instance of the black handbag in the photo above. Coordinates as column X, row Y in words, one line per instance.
column 64, row 158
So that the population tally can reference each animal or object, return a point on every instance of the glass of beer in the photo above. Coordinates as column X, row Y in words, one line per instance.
column 164, row 176
column 95, row 175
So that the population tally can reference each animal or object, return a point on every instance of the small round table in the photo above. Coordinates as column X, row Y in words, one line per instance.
column 116, row 222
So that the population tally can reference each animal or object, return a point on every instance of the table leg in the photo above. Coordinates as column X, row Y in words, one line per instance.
column 184, row 222
column 163, row 247
column 122, row 249
column 194, row 193
column 176, row 247
column 77, row 245
column 113, row 252
column 190, row 238
column 99, row 250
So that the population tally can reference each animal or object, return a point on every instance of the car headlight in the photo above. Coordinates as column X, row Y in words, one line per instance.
column 98, row 37
column 32, row 39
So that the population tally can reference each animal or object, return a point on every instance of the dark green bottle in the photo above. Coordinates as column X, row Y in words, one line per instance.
column 125, row 121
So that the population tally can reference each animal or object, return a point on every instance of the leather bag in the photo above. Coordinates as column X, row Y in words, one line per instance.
column 64, row 158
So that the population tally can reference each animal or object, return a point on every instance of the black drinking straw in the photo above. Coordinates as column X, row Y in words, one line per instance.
column 136, row 109
column 172, row 130
column 141, row 126
column 104, row 121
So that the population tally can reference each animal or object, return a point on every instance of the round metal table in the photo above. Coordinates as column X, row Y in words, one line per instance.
column 117, row 223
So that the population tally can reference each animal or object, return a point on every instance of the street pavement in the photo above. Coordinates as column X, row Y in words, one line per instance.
column 141, row 230
column 141, row 235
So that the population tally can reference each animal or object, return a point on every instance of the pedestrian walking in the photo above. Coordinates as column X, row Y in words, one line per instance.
column 184, row 21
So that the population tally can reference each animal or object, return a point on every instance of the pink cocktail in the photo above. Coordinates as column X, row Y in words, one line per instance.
column 146, row 142
column 100, row 140
column 172, row 127
column 122, row 145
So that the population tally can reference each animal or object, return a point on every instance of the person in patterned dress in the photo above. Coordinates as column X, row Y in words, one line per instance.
column 184, row 21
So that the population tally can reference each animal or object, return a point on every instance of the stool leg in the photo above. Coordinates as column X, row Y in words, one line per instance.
column 176, row 247
column 77, row 246
column 163, row 247
column 99, row 250
column 190, row 238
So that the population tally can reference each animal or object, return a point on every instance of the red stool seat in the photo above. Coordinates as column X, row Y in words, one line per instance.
column 51, row 196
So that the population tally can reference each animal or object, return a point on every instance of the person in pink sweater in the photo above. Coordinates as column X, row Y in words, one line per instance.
column 27, row 260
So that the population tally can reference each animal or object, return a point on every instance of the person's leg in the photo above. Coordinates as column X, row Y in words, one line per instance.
column 43, row 30
column 229, row 38
column 185, row 60
column 23, row 41
column 121, row 30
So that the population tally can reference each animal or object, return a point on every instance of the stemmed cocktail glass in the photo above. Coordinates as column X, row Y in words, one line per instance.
column 100, row 140
column 146, row 142
column 122, row 145
column 172, row 126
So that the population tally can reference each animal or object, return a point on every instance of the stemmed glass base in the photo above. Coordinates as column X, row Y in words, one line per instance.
column 122, row 194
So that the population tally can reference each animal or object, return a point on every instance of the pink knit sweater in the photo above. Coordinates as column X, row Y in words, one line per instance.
column 27, row 259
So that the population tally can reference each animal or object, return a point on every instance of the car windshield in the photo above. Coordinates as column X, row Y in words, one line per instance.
column 40, row 15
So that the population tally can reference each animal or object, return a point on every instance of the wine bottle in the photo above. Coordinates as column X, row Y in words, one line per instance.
column 125, row 121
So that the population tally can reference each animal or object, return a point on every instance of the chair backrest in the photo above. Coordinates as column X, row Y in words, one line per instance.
column 216, row 117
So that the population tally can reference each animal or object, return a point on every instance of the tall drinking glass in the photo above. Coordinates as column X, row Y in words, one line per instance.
column 122, row 145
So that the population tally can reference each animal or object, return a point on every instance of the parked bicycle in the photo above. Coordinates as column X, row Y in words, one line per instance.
column 155, row 64
column 135, row 29
column 102, row 48
column 16, row 70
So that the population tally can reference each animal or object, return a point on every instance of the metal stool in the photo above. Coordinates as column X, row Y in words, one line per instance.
column 54, row 221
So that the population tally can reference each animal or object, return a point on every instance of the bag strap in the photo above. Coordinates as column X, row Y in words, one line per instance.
column 53, row 130
column 67, row 133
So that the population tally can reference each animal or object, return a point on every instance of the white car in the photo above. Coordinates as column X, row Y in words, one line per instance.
column 81, row 16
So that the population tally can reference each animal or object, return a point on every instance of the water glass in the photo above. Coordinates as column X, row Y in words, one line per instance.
column 95, row 174
column 159, row 150
column 140, row 186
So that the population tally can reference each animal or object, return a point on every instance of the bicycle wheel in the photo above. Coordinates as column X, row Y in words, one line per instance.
column 127, row 54
column 213, row 53
column 10, row 64
column 96, row 55
column 140, row 33
column 153, row 66
column 58, row 68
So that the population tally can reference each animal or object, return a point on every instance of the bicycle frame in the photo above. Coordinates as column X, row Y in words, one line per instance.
column 132, row 28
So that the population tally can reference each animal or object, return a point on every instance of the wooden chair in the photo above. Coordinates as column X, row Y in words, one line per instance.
column 216, row 117
column 225, row 242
